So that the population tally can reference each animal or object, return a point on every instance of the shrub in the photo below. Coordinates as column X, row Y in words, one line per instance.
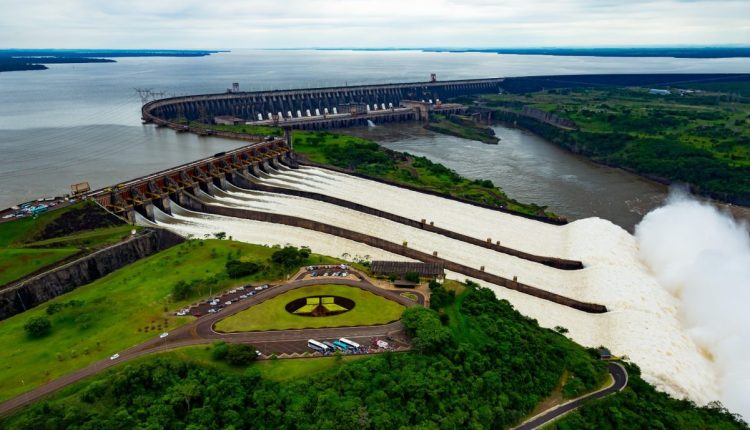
column 290, row 256
column 181, row 290
column 412, row 277
column 238, row 269
column 38, row 326
column 219, row 351
column 239, row 354
column 54, row 308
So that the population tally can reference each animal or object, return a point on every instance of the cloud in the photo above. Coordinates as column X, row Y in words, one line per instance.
column 360, row 23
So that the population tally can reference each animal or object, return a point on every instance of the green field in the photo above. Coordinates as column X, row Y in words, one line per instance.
column 120, row 310
column 30, row 244
column 274, row 370
column 701, row 138
column 369, row 309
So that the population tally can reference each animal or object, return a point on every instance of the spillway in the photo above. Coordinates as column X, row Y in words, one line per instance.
column 643, row 319
column 513, row 231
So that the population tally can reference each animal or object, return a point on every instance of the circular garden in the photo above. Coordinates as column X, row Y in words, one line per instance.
column 320, row 306
column 315, row 306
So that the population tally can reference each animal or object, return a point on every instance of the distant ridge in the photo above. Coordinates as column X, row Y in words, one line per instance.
column 35, row 59
column 673, row 52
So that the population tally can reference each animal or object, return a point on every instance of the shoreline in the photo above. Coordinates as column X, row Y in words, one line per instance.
column 738, row 211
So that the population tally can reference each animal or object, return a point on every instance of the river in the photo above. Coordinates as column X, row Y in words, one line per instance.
column 81, row 122
column 533, row 170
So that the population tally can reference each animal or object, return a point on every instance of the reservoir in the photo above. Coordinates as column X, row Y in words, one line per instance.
column 81, row 122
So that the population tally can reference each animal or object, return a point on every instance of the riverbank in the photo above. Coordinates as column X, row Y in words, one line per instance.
column 692, row 136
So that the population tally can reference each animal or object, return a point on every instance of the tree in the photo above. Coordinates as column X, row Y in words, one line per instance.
column 38, row 326
column 290, row 256
column 240, row 354
column 220, row 235
column 439, row 296
column 238, row 269
column 412, row 277
column 181, row 290
column 219, row 351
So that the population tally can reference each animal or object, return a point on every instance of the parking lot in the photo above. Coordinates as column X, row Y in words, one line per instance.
column 217, row 303
column 328, row 271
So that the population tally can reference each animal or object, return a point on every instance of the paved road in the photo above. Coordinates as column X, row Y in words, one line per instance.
column 201, row 332
column 620, row 376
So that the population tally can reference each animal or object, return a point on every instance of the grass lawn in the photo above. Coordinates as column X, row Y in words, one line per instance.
column 369, row 309
column 410, row 296
column 22, row 253
column 275, row 370
column 118, row 311
column 18, row 262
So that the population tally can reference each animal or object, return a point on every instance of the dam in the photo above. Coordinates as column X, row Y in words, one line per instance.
column 320, row 106
column 584, row 276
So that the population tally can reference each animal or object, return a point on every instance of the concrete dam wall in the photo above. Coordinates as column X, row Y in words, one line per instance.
column 249, row 105
column 39, row 289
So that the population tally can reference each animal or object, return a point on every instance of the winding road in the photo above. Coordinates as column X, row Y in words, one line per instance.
column 201, row 331
column 619, row 382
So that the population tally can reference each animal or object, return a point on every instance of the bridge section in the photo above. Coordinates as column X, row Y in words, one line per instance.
column 263, row 105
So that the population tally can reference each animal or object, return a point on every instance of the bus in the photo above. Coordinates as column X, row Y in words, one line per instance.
column 340, row 346
column 317, row 346
column 350, row 344
column 331, row 346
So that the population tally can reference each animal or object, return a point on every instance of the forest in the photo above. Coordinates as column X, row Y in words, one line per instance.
column 476, row 363
column 699, row 137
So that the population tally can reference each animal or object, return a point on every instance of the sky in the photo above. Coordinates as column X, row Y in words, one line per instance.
column 233, row 24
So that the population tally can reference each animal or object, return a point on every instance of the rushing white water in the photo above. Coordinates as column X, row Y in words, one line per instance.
column 643, row 322
column 519, row 233
column 189, row 223
column 702, row 257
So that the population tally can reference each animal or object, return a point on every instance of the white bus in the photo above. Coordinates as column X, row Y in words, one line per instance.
column 317, row 346
column 347, row 342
